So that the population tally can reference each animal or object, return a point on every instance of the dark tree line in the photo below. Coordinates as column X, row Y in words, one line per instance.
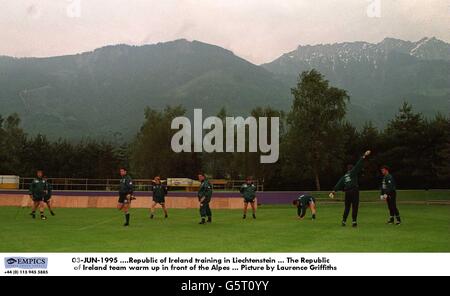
column 23, row 155
column 151, row 153
column 316, row 144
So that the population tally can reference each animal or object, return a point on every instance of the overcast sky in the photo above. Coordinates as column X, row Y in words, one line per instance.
column 257, row 30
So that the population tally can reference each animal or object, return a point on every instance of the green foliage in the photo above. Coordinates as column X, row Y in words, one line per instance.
column 378, row 76
column 411, row 143
column 13, row 144
column 316, row 124
column 151, row 152
column 316, row 144
column 220, row 165
column 439, row 143
column 23, row 155
column 248, row 164
column 101, row 93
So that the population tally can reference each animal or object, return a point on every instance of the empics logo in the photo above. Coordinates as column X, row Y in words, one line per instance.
column 26, row 263
column 259, row 139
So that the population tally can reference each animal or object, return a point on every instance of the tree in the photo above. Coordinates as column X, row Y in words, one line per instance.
column 65, row 160
column 151, row 152
column 404, row 148
column 219, row 165
column 369, row 139
column 438, row 151
column 3, row 150
column 249, row 163
column 14, row 141
column 315, row 124
column 36, row 155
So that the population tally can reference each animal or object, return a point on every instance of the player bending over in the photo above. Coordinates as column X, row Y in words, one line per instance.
column 126, row 190
column 304, row 202
column 389, row 193
column 248, row 191
column 39, row 189
column 159, row 197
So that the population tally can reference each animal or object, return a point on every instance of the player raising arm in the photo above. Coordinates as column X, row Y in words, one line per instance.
column 349, row 184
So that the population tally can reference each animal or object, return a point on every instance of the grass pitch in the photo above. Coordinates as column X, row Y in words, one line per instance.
column 425, row 229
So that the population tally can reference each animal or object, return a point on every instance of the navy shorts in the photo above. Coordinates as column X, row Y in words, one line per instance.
column 123, row 199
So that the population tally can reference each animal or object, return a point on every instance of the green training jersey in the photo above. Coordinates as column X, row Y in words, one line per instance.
column 49, row 190
column 388, row 185
column 248, row 191
column 350, row 180
column 126, row 185
column 303, row 203
column 40, row 188
column 159, row 191
column 205, row 191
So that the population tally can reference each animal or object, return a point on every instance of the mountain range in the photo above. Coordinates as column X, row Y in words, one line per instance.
column 103, row 93
column 379, row 77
